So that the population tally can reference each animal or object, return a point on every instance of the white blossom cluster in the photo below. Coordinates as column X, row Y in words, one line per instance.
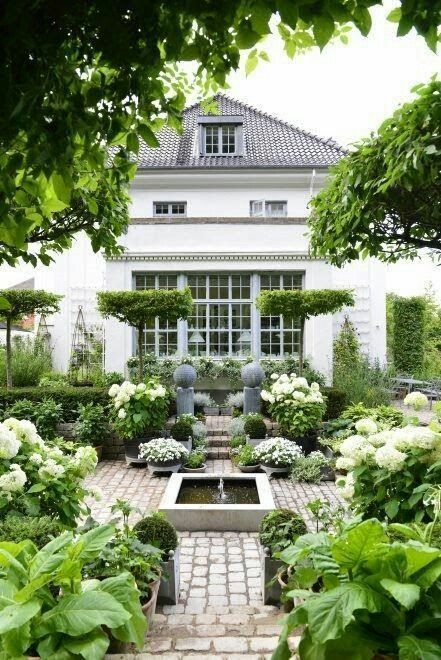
column 121, row 394
column 366, row 426
column 277, row 452
column 161, row 450
column 416, row 400
column 292, row 389
column 9, row 443
column 13, row 480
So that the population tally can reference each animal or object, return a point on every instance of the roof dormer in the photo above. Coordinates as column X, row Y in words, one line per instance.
column 220, row 135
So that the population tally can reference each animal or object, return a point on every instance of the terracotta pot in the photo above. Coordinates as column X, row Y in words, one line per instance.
column 149, row 608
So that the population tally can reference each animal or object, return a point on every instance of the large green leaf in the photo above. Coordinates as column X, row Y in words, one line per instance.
column 79, row 614
column 14, row 616
column 16, row 641
column 412, row 648
column 90, row 647
column 428, row 575
column 49, row 558
column 95, row 540
column 406, row 594
column 358, row 544
column 329, row 613
column 123, row 589
column 419, row 556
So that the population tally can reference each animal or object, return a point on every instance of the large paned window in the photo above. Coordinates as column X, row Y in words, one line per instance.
column 161, row 340
column 220, row 140
column 220, row 325
column 279, row 337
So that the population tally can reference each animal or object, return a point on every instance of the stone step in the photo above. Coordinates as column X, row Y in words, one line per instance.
column 219, row 442
column 218, row 452
column 214, row 432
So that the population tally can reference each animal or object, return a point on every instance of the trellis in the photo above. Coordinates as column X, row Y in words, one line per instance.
column 43, row 335
column 81, row 349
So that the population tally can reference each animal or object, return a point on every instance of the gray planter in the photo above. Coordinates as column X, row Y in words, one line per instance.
column 226, row 411
column 248, row 468
column 188, row 444
column 255, row 441
column 199, row 469
column 169, row 587
column 271, row 591
column 274, row 470
column 211, row 411
column 166, row 466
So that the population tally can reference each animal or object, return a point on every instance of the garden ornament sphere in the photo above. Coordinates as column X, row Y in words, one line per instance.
column 184, row 375
column 252, row 374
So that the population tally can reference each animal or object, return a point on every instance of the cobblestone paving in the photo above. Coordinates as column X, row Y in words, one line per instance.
column 220, row 613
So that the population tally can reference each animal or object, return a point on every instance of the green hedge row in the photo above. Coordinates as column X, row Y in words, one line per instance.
column 336, row 402
column 69, row 397
column 408, row 334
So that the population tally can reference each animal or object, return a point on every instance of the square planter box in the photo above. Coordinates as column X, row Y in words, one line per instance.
column 211, row 411
column 271, row 593
column 169, row 588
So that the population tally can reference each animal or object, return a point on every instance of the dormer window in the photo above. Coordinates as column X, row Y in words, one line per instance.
column 220, row 136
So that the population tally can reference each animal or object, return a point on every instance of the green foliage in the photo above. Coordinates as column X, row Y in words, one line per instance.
column 70, row 398
column 49, row 609
column 254, row 426
column 45, row 414
column 409, row 333
column 335, row 402
column 29, row 361
column 237, row 441
column 387, row 417
column 202, row 400
column 280, row 528
column 24, row 302
column 156, row 530
column 51, row 379
column 309, row 468
column 138, row 409
column 360, row 593
column 182, row 429
column 303, row 304
column 106, row 379
column 92, row 427
column 38, row 530
column 244, row 455
column 195, row 459
column 381, row 199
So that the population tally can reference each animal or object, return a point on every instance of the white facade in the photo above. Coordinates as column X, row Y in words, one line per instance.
column 216, row 237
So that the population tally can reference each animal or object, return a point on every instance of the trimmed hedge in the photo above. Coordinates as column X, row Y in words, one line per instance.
column 408, row 334
column 336, row 402
column 69, row 397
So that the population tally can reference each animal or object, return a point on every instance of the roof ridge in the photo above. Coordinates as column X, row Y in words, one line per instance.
column 328, row 141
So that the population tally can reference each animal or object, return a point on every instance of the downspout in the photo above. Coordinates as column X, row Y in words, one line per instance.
column 311, row 185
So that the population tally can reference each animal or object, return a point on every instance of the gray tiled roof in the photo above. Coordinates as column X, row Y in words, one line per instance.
column 268, row 142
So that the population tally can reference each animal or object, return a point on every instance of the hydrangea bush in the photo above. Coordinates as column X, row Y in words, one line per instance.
column 390, row 471
column 277, row 452
column 416, row 400
column 162, row 450
column 295, row 405
column 139, row 408
column 37, row 478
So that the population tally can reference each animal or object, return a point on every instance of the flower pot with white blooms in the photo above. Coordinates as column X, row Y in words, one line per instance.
column 163, row 455
column 139, row 414
column 277, row 455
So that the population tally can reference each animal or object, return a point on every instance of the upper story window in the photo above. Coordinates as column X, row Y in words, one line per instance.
column 268, row 209
column 169, row 208
column 220, row 135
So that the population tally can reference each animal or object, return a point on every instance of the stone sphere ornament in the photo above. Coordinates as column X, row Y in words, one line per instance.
column 252, row 374
column 184, row 375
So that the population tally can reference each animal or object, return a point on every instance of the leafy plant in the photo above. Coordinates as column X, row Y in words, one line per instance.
column 254, row 426
column 182, row 430
column 409, row 318
column 280, row 528
column 45, row 415
column 29, row 360
column 363, row 596
column 40, row 531
column 106, row 378
column 139, row 408
column 52, row 379
column 386, row 417
column 195, row 459
column 237, row 426
column 234, row 399
column 156, row 530
column 277, row 452
column 309, row 468
column 328, row 517
column 69, row 397
column 49, row 609
column 92, row 427
column 244, row 455
column 237, row 441
column 202, row 400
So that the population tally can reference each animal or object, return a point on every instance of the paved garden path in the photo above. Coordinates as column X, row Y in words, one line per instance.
column 220, row 612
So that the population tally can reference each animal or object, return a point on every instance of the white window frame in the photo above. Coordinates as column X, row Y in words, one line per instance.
column 220, row 129
column 169, row 210
column 261, row 208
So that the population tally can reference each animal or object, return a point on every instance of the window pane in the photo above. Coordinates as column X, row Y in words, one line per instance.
column 280, row 338
column 228, row 139
column 211, row 140
column 160, row 340
column 276, row 209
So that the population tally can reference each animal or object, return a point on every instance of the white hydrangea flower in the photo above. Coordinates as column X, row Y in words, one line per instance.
column 96, row 493
column 141, row 387
column 14, row 480
column 366, row 426
column 410, row 437
column 84, row 460
column 36, row 458
column 113, row 391
column 416, row 400
column 267, row 396
column 25, row 431
column 122, row 413
column 50, row 470
column 346, row 487
column 9, row 443
column 390, row 458
column 344, row 463
column 278, row 452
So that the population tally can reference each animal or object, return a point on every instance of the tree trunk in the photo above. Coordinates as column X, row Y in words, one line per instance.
column 140, row 355
column 302, row 333
column 8, row 353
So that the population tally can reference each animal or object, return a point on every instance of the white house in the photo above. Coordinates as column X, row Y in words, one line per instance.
column 221, row 208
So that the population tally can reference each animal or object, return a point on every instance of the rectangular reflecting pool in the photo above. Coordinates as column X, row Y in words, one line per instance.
column 196, row 502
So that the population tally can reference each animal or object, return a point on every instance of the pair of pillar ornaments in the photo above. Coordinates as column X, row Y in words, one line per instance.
column 184, row 377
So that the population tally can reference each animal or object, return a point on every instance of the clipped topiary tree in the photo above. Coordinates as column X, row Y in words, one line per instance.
column 302, row 305
column 408, row 341
column 136, row 308
column 22, row 303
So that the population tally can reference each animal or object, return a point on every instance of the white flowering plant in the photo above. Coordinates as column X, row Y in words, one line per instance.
column 389, row 471
column 416, row 400
column 295, row 405
column 37, row 478
column 162, row 450
column 277, row 452
column 139, row 408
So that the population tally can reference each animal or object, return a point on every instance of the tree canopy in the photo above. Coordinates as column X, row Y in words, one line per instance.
column 302, row 305
column 384, row 199
column 79, row 78
column 136, row 308
column 22, row 303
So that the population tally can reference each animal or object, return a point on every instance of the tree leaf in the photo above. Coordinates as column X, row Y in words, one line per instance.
column 147, row 135
column 323, row 29
column 124, row 590
column 406, row 594
column 246, row 37
column 288, row 12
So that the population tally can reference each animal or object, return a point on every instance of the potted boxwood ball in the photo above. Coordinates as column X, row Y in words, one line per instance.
column 182, row 430
column 156, row 530
column 163, row 455
column 139, row 413
column 245, row 459
column 277, row 455
column 278, row 529
column 195, row 462
column 255, row 428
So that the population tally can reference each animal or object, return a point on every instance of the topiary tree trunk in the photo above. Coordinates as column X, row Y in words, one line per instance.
column 8, row 354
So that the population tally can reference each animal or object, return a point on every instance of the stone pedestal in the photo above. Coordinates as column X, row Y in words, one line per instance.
column 184, row 377
column 252, row 376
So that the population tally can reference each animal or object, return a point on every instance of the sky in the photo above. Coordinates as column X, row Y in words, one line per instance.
column 345, row 93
